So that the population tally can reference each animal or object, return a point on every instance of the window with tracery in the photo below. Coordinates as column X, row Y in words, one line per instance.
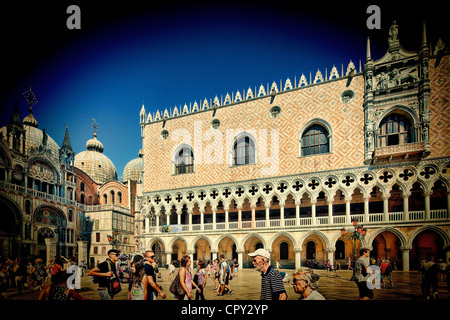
column 395, row 129
column 184, row 161
column 315, row 140
column 244, row 151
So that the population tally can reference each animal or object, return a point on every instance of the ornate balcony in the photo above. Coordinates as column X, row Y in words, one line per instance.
column 401, row 150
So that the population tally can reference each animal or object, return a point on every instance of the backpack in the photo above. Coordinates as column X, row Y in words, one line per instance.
column 228, row 267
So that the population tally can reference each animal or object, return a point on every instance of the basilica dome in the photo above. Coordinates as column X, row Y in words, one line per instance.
column 33, row 140
column 133, row 169
column 98, row 166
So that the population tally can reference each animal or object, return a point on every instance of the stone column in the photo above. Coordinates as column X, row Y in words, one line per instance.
column 50, row 244
column 202, row 218
column 297, row 212
column 448, row 212
column 281, row 215
column 267, row 215
column 386, row 207
column 313, row 211
column 239, row 217
column 405, row 257
column 330, row 211
column 330, row 255
column 168, row 257
column 298, row 257
column 253, row 207
column 82, row 251
column 427, row 205
column 240, row 253
column 227, row 218
column 179, row 212
column 168, row 212
column 406, row 206
column 366, row 209
column 147, row 224
column 190, row 212
column 347, row 210
column 157, row 213
column 214, row 213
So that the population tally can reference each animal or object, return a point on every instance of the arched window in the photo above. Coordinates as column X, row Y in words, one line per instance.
column 119, row 195
column 395, row 129
column 112, row 197
column 184, row 160
column 244, row 151
column 315, row 140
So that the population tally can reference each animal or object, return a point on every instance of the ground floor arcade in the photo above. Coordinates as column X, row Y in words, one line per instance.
column 406, row 245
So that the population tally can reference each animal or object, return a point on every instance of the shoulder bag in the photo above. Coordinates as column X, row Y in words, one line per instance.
column 176, row 287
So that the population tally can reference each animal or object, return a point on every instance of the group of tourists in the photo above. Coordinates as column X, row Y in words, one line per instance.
column 31, row 274
column 51, row 280
column 431, row 273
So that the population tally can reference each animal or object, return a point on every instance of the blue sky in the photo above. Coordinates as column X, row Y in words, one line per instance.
column 167, row 55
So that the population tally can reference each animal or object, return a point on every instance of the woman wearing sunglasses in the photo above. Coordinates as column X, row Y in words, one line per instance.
column 306, row 283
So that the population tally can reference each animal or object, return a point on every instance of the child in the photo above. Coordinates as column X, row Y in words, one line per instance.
column 201, row 280
column 139, row 280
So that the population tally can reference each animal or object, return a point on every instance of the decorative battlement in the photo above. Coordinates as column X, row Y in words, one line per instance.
column 245, row 95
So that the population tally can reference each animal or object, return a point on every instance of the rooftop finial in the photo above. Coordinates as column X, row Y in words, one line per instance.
column 368, row 55
column 94, row 127
column 30, row 97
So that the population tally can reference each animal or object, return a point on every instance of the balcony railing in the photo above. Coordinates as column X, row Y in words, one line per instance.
column 307, row 222
column 108, row 207
column 43, row 195
column 407, row 148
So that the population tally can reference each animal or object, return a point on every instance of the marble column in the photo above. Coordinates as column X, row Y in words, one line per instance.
column 386, row 207
column 267, row 216
column 313, row 211
column 330, row 211
column 406, row 206
column 82, row 251
column 427, row 205
column 50, row 244
column 253, row 207
column 297, row 212
column 405, row 257
column 239, row 217
column 298, row 259
column 240, row 253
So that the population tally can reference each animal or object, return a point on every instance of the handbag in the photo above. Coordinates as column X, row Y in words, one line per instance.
column 114, row 284
column 176, row 287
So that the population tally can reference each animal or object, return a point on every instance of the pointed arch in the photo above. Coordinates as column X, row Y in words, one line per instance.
column 445, row 237
column 392, row 230
column 283, row 233
column 314, row 232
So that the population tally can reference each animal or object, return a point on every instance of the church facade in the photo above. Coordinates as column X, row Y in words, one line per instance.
column 54, row 202
column 294, row 166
